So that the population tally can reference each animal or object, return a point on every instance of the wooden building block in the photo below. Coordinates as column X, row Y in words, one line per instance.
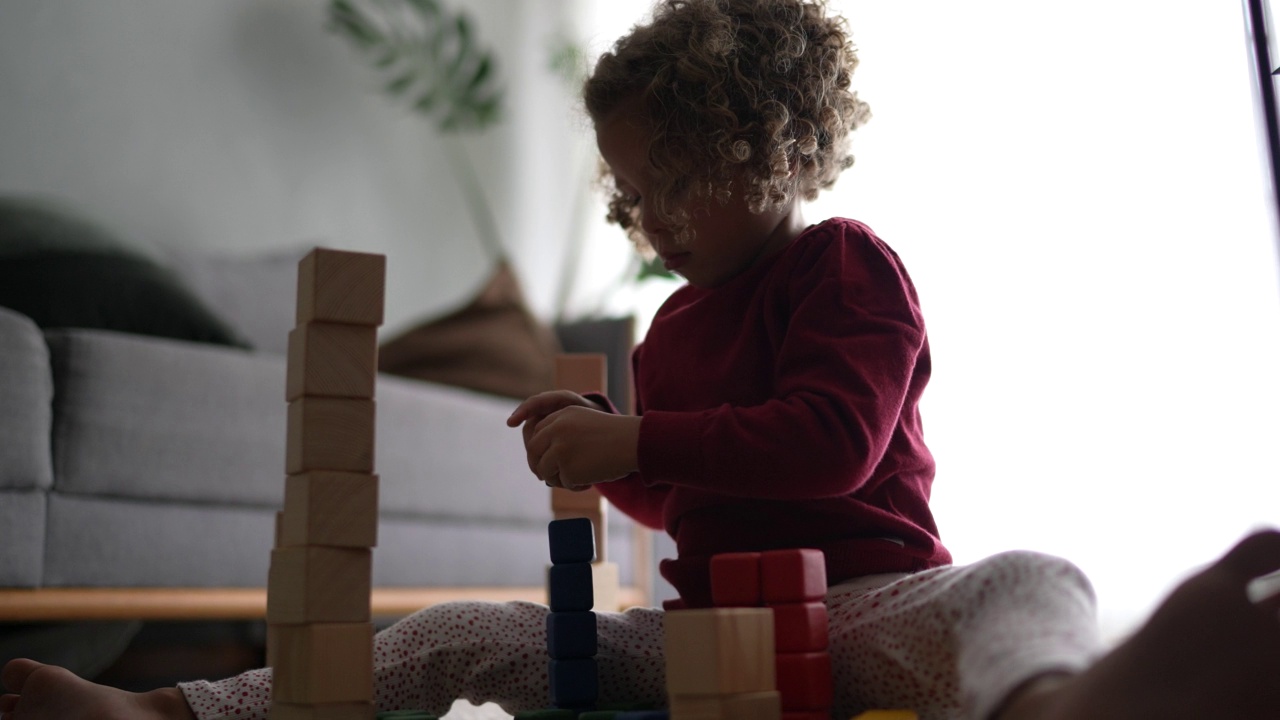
column 719, row 651
column 569, row 587
column 332, row 360
column 579, row 502
column 330, row 711
column 793, row 576
column 321, row 663
column 571, row 635
column 330, row 434
column 606, row 586
column 311, row 584
column 582, row 372
column 341, row 286
column 800, row 627
column 574, row 683
column 334, row 509
column 804, row 680
column 572, row 540
column 279, row 533
column 735, row 580
column 741, row 706
column 806, row 715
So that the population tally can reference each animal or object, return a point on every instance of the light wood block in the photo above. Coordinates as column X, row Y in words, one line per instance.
column 321, row 663
column 743, row 706
column 330, row 434
column 341, row 286
column 719, row 651
column 318, row 584
column 606, row 586
column 334, row 711
column 582, row 372
column 579, row 503
column 333, row 509
column 332, row 360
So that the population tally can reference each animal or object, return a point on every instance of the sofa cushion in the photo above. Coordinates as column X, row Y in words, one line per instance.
column 158, row 419
column 22, row 538
column 26, row 395
column 166, row 420
column 62, row 270
column 112, row 542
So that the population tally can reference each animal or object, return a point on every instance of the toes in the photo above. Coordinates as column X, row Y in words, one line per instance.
column 16, row 672
column 1254, row 556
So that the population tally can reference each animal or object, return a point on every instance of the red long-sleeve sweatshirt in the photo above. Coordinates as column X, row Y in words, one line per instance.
column 780, row 410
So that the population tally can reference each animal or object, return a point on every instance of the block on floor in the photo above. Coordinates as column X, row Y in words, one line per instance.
column 330, row 434
column 311, row 584
column 341, row 286
column 719, row 651
column 332, row 360
column 330, row 711
column 765, row 705
column 321, row 663
column 334, row 509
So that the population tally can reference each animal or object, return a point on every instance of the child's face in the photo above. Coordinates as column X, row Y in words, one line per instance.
column 727, row 238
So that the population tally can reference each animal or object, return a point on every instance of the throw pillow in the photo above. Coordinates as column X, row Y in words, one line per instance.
column 62, row 270
column 493, row 344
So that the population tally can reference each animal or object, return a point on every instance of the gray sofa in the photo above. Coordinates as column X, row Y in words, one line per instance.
column 130, row 461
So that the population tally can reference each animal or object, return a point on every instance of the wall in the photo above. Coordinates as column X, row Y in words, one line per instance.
column 238, row 126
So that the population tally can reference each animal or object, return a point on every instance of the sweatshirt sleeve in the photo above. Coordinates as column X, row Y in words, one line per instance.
column 638, row 500
column 849, row 366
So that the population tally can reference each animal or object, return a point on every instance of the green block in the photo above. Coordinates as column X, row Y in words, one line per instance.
column 549, row 714
column 599, row 715
column 405, row 715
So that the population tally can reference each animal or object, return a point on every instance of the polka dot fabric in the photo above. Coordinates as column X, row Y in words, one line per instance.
column 949, row 643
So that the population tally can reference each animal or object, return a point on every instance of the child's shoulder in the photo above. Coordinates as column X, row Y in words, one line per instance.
column 842, row 238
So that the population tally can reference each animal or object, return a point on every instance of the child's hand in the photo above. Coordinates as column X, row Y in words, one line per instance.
column 582, row 444
column 576, row 446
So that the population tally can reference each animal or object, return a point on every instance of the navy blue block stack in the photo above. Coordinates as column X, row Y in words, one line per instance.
column 571, row 624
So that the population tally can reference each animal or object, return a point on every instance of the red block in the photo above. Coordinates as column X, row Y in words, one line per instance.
column 793, row 576
column 804, row 680
column 800, row 627
column 735, row 580
column 806, row 715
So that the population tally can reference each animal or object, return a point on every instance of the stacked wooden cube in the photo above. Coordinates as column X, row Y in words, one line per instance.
column 588, row 373
column 720, row 664
column 571, row 624
column 319, row 634
column 791, row 585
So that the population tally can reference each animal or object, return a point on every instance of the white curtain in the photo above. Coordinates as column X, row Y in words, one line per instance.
column 1077, row 191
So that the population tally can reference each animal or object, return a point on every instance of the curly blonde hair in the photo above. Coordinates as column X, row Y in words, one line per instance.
column 749, row 93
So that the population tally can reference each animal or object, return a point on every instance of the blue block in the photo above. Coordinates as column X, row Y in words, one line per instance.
column 571, row 635
column 570, row 587
column 574, row 683
column 572, row 541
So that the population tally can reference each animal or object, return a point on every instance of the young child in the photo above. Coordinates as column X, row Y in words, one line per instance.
column 778, row 397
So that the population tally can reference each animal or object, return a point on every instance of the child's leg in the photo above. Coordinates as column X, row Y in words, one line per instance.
column 955, row 642
column 482, row 652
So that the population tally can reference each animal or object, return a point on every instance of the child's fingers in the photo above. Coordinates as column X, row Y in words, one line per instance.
column 543, row 404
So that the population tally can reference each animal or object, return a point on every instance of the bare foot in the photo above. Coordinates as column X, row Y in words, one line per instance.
column 1206, row 652
column 45, row 692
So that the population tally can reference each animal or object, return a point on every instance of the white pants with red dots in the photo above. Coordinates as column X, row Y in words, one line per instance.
column 949, row 643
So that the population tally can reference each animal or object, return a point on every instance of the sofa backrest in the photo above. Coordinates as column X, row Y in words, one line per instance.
column 26, row 396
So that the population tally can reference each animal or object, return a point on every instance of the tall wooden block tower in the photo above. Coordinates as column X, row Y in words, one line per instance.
column 319, row 634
